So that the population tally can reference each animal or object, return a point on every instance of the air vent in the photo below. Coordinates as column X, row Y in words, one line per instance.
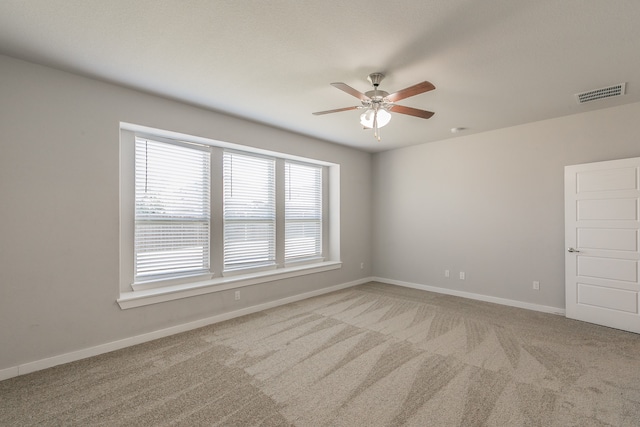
column 605, row 92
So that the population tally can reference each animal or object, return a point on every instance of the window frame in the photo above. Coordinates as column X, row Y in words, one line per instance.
column 134, row 294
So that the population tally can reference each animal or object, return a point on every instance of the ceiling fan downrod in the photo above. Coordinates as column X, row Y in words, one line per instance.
column 376, row 101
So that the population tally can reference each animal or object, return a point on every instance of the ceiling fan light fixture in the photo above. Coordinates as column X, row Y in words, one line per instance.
column 368, row 117
column 377, row 103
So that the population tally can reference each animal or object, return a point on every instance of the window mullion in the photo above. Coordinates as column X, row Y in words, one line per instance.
column 217, row 212
column 280, row 212
column 325, row 212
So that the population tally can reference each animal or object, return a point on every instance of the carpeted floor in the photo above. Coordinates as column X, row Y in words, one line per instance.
column 373, row 355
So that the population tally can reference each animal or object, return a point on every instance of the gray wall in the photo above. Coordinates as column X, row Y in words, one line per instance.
column 491, row 204
column 59, row 142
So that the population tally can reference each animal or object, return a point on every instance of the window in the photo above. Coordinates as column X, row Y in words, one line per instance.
column 303, row 211
column 249, row 211
column 171, row 210
column 200, row 216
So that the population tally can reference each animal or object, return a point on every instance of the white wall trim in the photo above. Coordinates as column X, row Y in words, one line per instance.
column 9, row 373
column 50, row 362
column 471, row 295
column 140, row 298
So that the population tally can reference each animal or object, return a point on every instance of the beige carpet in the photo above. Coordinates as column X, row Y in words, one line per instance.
column 373, row 355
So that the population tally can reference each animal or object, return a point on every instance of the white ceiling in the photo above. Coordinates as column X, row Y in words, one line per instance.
column 495, row 63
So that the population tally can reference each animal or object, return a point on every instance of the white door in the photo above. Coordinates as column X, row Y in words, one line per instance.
column 601, row 243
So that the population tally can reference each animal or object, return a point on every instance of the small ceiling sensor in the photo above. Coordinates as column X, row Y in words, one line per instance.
column 457, row 130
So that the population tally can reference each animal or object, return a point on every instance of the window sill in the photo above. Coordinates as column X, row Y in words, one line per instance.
column 141, row 298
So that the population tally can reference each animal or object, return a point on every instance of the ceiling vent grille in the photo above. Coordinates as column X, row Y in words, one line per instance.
column 605, row 92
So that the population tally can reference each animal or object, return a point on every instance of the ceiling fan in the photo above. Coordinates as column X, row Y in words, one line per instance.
column 378, row 103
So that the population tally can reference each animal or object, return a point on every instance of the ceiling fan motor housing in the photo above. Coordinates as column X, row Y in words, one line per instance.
column 377, row 95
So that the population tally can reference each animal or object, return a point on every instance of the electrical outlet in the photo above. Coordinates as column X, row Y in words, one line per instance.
column 237, row 295
column 446, row 274
column 361, row 265
column 536, row 285
column 462, row 275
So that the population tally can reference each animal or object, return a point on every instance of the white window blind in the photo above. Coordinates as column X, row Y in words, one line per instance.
column 249, row 211
column 172, row 210
column 303, row 211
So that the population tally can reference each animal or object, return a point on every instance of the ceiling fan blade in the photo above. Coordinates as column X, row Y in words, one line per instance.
column 411, row 91
column 319, row 113
column 351, row 91
column 423, row 114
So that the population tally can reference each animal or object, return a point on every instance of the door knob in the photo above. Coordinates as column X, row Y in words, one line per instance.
column 572, row 250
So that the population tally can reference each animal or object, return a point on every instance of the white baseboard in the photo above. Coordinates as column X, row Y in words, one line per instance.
column 9, row 373
column 150, row 336
column 470, row 295
column 139, row 339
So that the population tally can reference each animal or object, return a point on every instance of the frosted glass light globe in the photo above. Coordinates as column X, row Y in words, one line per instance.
column 366, row 118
